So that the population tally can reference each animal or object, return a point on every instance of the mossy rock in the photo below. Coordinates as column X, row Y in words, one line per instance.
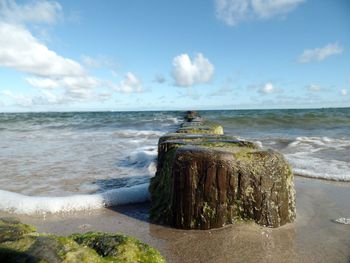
column 11, row 229
column 36, row 247
column 21, row 243
column 119, row 248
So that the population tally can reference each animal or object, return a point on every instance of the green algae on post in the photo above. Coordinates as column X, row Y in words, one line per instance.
column 206, row 180
column 204, row 128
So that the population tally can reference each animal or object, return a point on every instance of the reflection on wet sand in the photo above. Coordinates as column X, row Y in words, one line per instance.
column 238, row 243
column 314, row 237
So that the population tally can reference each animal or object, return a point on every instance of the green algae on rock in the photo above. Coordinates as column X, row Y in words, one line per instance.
column 119, row 248
column 21, row 243
column 11, row 229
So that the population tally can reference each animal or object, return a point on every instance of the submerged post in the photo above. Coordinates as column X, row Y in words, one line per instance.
column 206, row 180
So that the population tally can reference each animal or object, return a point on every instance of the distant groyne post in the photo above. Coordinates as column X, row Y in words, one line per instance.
column 206, row 180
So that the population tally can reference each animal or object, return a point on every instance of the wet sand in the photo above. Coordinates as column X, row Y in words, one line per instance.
column 313, row 237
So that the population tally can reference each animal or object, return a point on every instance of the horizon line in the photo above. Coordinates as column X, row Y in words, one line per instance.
column 168, row 110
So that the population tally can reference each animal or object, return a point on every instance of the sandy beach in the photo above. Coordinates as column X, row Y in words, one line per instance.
column 313, row 237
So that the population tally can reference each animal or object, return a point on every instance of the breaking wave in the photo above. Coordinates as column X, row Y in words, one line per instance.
column 23, row 204
column 320, row 157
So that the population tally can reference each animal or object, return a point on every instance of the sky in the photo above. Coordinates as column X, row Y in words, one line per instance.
column 120, row 55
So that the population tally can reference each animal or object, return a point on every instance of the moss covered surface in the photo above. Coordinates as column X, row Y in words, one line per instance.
column 11, row 229
column 118, row 248
column 162, row 184
column 21, row 243
column 217, row 186
column 205, row 181
column 202, row 130
column 201, row 127
column 161, row 189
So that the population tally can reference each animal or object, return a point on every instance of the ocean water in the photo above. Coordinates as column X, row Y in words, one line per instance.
column 62, row 162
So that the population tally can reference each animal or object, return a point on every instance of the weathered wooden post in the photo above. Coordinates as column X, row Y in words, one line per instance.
column 206, row 180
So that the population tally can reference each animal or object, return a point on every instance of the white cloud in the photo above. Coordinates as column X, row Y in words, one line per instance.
column 42, row 83
column 314, row 88
column 59, row 80
column 45, row 97
column 90, row 62
column 344, row 92
column 19, row 99
column 187, row 73
column 20, row 50
column 270, row 8
column 319, row 54
column 35, row 12
column 233, row 12
column 268, row 88
column 48, row 98
column 100, row 62
column 72, row 85
column 130, row 84
column 59, row 91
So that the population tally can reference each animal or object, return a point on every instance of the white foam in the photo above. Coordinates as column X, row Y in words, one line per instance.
column 320, row 157
column 174, row 120
column 343, row 220
column 320, row 142
column 143, row 156
column 137, row 133
column 319, row 168
column 23, row 204
column 164, row 119
column 259, row 144
column 152, row 168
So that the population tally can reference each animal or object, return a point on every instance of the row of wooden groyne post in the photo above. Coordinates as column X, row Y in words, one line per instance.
column 206, row 179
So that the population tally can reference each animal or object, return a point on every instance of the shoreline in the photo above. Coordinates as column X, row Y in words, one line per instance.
column 332, row 180
column 313, row 237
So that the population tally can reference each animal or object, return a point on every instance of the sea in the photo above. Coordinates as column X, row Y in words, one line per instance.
column 62, row 162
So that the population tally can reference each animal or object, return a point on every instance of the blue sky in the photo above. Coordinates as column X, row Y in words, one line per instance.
column 166, row 55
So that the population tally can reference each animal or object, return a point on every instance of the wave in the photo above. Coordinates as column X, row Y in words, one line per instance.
column 23, row 204
column 320, row 157
column 143, row 156
column 84, row 120
column 129, row 133
column 320, row 142
column 282, row 120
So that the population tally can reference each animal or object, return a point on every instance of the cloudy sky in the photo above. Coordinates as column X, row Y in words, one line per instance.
column 164, row 55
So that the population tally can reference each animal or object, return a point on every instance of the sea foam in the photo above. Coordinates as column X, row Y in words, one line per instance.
column 320, row 157
column 23, row 204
